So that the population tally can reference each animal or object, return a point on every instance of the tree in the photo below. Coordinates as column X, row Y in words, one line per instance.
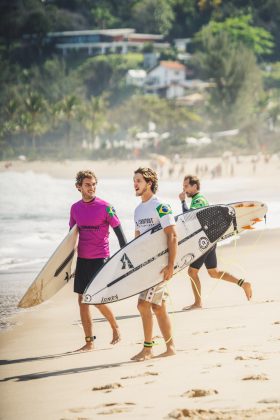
column 93, row 116
column 32, row 118
column 69, row 110
column 236, row 78
column 153, row 16
column 167, row 116
column 102, row 17
column 240, row 30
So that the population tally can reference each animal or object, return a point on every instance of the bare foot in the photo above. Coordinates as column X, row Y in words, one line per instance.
column 145, row 354
column 247, row 289
column 193, row 306
column 86, row 347
column 169, row 352
column 116, row 336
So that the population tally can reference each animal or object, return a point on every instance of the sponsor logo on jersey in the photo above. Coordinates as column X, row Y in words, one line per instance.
column 164, row 209
column 199, row 202
column 111, row 211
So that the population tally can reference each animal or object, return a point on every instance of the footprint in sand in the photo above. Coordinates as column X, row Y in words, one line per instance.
column 250, row 358
column 195, row 393
column 220, row 350
column 107, row 387
column 270, row 401
column 261, row 377
column 141, row 374
column 114, row 408
column 200, row 414
column 77, row 409
column 276, row 322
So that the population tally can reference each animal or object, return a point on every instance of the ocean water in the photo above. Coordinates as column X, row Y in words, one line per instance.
column 34, row 213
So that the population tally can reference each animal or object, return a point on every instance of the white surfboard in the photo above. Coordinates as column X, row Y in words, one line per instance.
column 55, row 274
column 248, row 213
column 137, row 266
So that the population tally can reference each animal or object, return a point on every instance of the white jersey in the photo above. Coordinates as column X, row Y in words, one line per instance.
column 151, row 213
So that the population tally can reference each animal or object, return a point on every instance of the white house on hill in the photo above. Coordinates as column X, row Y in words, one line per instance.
column 166, row 79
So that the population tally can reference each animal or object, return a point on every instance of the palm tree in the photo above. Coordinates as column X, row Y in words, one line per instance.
column 69, row 107
column 93, row 116
column 32, row 118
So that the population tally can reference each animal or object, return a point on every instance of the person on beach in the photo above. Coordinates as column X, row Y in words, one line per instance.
column 191, row 189
column 150, row 212
column 93, row 217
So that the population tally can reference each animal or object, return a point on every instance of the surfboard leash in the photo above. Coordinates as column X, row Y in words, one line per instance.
column 231, row 262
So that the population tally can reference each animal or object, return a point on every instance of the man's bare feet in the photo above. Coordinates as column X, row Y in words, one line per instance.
column 145, row 354
column 116, row 336
column 193, row 306
column 247, row 289
column 169, row 352
column 86, row 347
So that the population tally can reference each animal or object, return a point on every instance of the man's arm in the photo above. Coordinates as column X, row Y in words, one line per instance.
column 182, row 197
column 172, row 245
column 120, row 235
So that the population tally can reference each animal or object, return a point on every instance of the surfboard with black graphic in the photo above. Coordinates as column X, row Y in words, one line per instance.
column 55, row 274
column 137, row 266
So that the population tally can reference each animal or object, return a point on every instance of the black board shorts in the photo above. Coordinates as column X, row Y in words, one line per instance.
column 209, row 259
column 85, row 270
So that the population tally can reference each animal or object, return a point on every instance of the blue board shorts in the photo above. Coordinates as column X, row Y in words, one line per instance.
column 85, row 271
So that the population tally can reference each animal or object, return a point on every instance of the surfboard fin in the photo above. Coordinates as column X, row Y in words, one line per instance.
column 248, row 227
column 257, row 220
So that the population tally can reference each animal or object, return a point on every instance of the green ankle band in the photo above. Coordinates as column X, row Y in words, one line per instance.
column 90, row 338
column 240, row 282
column 149, row 343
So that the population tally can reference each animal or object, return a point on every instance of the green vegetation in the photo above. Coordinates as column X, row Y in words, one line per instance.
column 81, row 106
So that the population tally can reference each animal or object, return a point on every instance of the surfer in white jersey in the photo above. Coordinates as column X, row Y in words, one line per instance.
column 149, row 213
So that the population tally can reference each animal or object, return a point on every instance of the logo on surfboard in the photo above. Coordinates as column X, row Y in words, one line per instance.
column 184, row 262
column 126, row 263
column 203, row 242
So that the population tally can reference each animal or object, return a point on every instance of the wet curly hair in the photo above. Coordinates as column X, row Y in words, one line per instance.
column 81, row 175
column 150, row 176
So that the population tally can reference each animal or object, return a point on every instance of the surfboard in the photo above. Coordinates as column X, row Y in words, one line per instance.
column 247, row 214
column 55, row 274
column 137, row 266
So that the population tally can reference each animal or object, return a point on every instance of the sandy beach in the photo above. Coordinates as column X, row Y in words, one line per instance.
column 230, row 166
column 228, row 353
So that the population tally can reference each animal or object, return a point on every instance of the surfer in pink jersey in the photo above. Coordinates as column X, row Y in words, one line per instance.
column 151, row 212
column 93, row 217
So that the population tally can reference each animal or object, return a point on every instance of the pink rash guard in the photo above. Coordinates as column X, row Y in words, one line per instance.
column 93, row 220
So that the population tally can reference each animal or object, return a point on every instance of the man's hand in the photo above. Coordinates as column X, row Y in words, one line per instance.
column 182, row 196
column 167, row 272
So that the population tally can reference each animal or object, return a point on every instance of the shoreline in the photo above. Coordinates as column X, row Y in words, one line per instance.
column 209, row 167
